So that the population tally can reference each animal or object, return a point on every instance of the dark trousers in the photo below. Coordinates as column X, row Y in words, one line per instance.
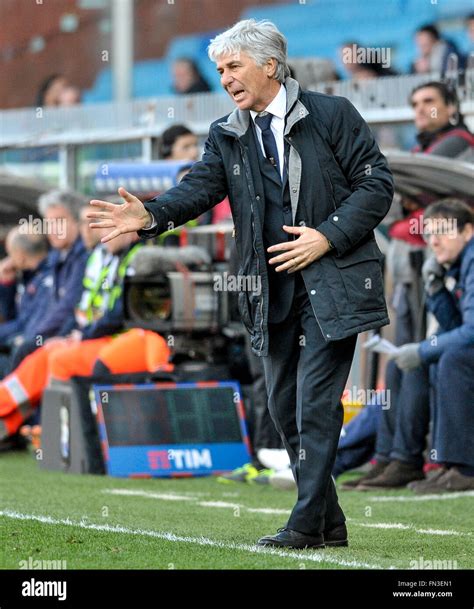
column 453, row 407
column 305, row 379
column 404, row 426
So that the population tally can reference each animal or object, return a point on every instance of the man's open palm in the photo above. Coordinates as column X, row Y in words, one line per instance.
column 127, row 218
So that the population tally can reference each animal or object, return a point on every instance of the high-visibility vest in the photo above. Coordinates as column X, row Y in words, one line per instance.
column 116, row 286
column 92, row 303
column 103, row 283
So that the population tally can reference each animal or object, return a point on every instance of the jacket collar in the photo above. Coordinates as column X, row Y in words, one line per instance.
column 238, row 121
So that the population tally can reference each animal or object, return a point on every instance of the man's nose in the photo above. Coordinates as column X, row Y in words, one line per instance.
column 226, row 79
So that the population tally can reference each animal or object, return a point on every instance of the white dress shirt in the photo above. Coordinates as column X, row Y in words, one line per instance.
column 277, row 107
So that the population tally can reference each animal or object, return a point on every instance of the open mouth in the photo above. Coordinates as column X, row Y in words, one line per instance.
column 237, row 95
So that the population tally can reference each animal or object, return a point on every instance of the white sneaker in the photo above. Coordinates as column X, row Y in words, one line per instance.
column 283, row 480
column 273, row 458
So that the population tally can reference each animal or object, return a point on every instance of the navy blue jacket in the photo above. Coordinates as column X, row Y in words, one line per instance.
column 64, row 290
column 453, row 308
column 31, row 303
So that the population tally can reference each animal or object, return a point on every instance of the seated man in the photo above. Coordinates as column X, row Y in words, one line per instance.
column 446, row 358
column 60, row 212
column 28, row 254
column 91, row 343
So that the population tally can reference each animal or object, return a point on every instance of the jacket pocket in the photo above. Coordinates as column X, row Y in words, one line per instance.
column 244, row 310
column 362, row 277
column 331, row 189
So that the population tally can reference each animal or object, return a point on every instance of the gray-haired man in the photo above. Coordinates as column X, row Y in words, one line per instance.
column 307, row 185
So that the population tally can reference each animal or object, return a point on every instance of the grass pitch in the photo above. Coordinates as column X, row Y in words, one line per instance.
column 98, row 522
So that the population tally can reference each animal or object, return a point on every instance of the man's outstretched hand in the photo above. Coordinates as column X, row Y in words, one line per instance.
column 127, row 218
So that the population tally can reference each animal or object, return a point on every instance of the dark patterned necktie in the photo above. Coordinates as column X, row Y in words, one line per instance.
column 264, row 120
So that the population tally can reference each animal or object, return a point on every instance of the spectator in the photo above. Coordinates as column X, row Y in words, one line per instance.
column 434, row 51
column 7, row 289
column 29, row 256
column 60, row 212
column 449, row 284
column 187, row 78
column 56, row 90
column 50, row 90
column 178, row 143
column 440, row 124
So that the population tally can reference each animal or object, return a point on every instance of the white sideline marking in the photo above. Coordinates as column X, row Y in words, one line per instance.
column 311, row 555
column 433, row 497
column 268, row 511
column 407, row 527
column 218, row 504
column 224, row 504
column 173, row 497
column 149, row 494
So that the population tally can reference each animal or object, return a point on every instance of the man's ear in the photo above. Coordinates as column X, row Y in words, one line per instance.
column 271, row 67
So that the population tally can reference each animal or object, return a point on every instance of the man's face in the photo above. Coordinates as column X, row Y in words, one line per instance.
column 248, row 84
column 61, row 226
column 54, row 91
column 431, row 112
column 445, row 240
column 185, row 148
column 183, row 76
column 16, row 255
column 425, row 43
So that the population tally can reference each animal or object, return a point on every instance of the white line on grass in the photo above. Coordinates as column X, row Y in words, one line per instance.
column 173, row 497
column 408, row 527
column 311, row 555
column 224, row 504
column 433, row 497
column 150, row 494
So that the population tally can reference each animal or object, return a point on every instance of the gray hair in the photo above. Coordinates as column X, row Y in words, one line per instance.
column 30, row 244
column 72, row 201
column 261, row 40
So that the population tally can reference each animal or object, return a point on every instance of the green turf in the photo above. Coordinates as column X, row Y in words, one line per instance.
column 26, row 489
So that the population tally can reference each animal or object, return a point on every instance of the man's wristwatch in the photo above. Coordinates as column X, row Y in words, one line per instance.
column 330, row 243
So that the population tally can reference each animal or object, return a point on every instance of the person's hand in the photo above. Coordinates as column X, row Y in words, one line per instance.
column 408, row 357
column 433, row 273
column 7, row 270
column 308, row 247
column 127, row 218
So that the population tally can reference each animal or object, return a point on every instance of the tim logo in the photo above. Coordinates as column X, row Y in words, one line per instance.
column 180, row 459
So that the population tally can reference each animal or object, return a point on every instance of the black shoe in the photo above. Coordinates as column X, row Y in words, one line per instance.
column 287, row 538
column 337, row 536
column 13, row 443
